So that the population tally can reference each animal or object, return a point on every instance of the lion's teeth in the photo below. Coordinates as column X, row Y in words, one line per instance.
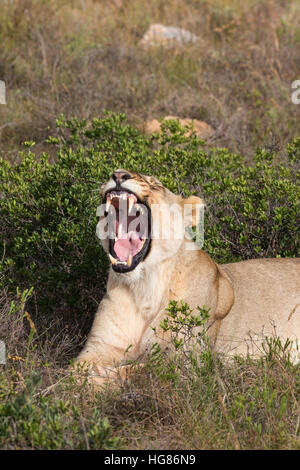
column 112, row 259
column 108, row 204
column 131, row 202
column 129, row 261
column 120, row 230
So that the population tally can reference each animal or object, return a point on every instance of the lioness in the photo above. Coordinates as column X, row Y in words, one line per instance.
column 247, row 300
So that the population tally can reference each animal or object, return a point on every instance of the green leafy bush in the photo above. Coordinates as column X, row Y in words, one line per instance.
column 189, row 340
column 31, row 421
column 48, row 208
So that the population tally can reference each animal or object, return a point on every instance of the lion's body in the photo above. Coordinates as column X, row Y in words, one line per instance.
column 267, row 303
column 247, row 300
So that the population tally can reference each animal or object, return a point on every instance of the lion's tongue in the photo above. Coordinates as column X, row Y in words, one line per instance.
column 127, row 245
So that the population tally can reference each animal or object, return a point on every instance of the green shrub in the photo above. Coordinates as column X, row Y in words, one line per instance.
column 31, row 421
column 48, row 208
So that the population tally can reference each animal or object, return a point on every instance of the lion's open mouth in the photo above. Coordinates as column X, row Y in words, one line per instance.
column 129, row 225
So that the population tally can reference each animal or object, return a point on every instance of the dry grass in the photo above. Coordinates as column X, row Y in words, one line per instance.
column 79, row 58
column 239, row 405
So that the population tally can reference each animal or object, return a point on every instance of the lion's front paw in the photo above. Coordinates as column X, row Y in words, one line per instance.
column 114, row 376
column 99, row 376
column 95, row 374
column 82, row 371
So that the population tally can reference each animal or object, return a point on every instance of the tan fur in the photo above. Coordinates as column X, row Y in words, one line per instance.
column 247, row 300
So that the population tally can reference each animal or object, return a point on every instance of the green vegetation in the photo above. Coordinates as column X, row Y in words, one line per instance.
column 192, row 400
column 30, row 420
column 79, row 58
column 53, row 274
column 70, row 59
column 49, row 209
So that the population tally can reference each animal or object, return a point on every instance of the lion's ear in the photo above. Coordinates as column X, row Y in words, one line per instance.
column 151, row 179
column 102, row 189
column 193, row 206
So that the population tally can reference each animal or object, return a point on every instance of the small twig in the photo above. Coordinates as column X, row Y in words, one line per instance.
column 225, row 412
column 4, row 251
column 47, row 389
column 8, row 124
column 84, row 433
column 223, row 406
column 297, row 424
column 21, row 380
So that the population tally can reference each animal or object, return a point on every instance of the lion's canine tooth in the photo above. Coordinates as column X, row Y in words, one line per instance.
column 129, row 261
column 120, row 230
column 112, row 259
column 130, row 203
column 108, row 203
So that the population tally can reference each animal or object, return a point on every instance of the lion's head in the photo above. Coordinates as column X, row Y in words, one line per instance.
column 142, row 220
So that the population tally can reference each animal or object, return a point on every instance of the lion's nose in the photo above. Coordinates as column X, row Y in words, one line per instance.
column 120, row 176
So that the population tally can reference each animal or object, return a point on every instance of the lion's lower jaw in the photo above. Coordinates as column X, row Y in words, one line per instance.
column 150, row 269
column 130, row 278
